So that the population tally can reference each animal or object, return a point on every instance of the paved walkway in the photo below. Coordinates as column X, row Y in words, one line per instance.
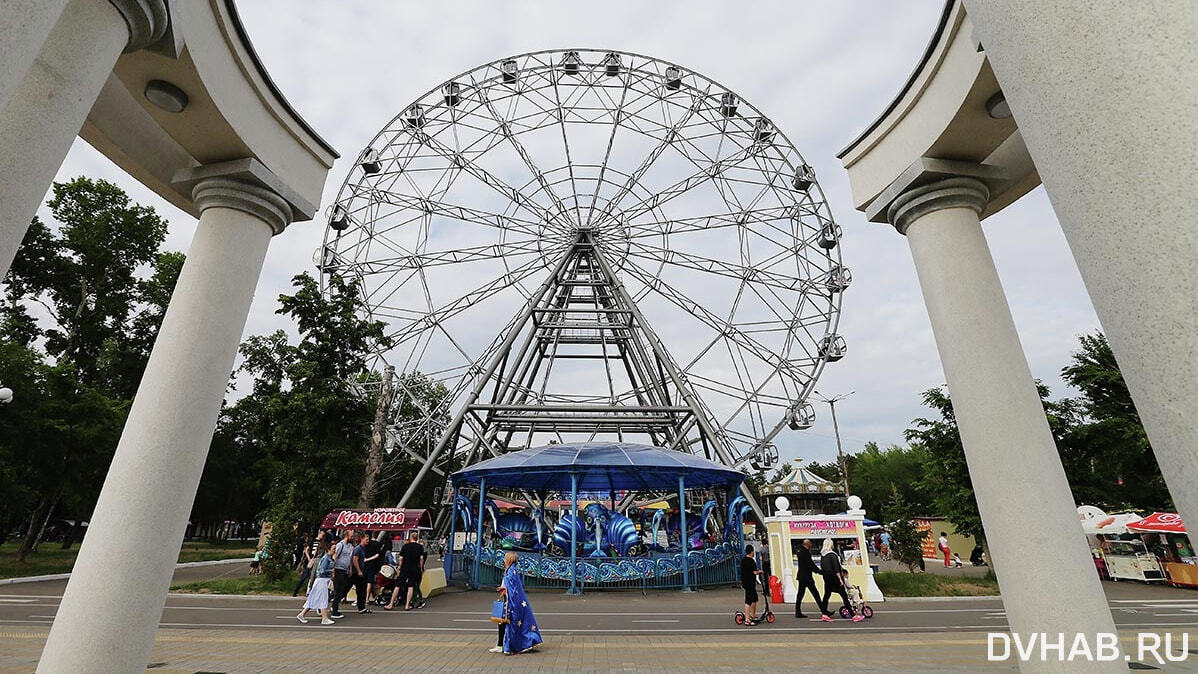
column 238, row 651
column 600, row 631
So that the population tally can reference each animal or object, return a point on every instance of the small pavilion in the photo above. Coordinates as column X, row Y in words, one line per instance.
column 808, row 493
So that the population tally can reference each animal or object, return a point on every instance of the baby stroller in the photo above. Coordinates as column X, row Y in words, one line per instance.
column 384, row 582
column 857, row 601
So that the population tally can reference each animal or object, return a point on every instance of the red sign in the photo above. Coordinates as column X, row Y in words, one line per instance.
column 1165, row 523
column 379, row 519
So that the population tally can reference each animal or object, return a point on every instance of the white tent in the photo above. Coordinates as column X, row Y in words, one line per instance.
column 1095, row 521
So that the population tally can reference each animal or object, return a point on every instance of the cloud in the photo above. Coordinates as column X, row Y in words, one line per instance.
column 820, row 70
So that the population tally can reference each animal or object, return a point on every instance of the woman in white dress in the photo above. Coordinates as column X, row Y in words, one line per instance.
column 318, row 596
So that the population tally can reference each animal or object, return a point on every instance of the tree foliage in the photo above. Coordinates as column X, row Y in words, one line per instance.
column 82, row 302
column 906, row 540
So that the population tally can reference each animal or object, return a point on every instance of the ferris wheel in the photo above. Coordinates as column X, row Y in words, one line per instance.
column 491, row 214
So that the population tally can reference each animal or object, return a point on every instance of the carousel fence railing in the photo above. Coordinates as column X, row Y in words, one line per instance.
column 539, row 571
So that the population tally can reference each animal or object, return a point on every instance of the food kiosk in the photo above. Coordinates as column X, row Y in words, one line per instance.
column 1167, row 532
column 399, row 522
column 1118, row 553
column 786, row 532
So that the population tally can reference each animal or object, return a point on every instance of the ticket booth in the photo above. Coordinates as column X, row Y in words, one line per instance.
column 786, row 534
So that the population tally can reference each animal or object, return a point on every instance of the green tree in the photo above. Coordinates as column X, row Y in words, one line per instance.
column 301, row 419
column 81, row 294
column 946, row 474
column 906, row 540
column 877, row 473
column 1105, row 451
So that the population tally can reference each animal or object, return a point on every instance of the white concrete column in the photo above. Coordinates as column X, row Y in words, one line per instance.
column 48, row 106
column 25, row 27
column 1044, row 568
column 110, row 611
column 1106, row 96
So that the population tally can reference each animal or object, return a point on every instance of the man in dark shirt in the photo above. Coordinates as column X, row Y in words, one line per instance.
column 806, row 578
column 411, row 568
column 358, row 574
column 748, row 580
column 372, row 561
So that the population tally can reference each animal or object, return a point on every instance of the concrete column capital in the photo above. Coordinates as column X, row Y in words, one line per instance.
column 245, row 185
column 244, row 196
column 958, row 192
column 147, row 21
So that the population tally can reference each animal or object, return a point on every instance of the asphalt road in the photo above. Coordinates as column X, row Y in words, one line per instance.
column 1134, row 606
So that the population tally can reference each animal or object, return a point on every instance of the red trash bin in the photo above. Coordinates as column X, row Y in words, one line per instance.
column 775, row 590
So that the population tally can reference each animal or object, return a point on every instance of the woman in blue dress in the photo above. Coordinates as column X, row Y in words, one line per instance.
column 520, row 634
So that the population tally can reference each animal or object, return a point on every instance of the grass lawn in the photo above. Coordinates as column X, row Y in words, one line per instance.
column 243, row 585
column 50, row 558
column 904, row 584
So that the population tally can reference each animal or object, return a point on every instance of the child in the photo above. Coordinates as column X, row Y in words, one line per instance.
column 957, row 561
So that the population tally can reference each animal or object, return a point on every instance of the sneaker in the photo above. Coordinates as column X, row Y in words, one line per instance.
column 336, row 615
column 826, row 618
column 365, row 610
column 800, row 615
column 495, row 649
column 327, row 622
column 302, row 619
column 858, row 618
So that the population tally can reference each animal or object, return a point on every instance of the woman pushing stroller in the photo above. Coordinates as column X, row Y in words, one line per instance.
column 833, row 572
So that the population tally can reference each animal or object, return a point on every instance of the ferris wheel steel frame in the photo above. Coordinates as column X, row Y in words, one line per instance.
column 593, row 243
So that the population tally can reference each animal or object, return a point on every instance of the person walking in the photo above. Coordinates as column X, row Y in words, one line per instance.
column 832, row 571
column 520, row 633
column 885, row 549
column 318, row 596
column 748, row 580
column 357, row 573
column 943, row 545
column 411, row 572
column 342, row 555
column 372, row 561
column 806, row 578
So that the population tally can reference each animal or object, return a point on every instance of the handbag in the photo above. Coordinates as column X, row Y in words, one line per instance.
column 499, row 612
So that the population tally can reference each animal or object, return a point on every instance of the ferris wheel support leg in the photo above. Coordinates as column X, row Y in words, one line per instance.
column 675, row 376
column 452, row 430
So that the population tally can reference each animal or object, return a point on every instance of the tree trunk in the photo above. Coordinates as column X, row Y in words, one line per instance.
column 72, row 534
column 30, row 533
column 41, row 533
column 378, row 437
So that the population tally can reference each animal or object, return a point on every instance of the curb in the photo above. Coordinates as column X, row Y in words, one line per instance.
column 256, row 597
column 965, row 598
column 65, row 576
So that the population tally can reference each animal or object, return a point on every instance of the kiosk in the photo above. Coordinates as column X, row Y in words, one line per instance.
column 1119, row 551
column 1168, row 533
column 786, row 533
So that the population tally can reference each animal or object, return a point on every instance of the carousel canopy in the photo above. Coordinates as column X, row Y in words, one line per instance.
column 600, row 466
column 801, row 480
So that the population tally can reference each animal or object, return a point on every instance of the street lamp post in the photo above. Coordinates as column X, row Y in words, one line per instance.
column 844, row 470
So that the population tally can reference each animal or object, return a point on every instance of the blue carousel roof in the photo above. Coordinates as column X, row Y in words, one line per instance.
column 600, row 466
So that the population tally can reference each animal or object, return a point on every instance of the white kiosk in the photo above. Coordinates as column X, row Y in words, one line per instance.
column 847, row 531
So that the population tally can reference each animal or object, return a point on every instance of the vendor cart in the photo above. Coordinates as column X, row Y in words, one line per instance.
column 1131, row 560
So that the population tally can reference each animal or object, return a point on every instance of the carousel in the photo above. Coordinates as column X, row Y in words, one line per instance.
column 806, row 492
column 638, row 517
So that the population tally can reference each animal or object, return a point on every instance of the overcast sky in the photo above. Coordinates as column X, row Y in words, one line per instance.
column 821, row 70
